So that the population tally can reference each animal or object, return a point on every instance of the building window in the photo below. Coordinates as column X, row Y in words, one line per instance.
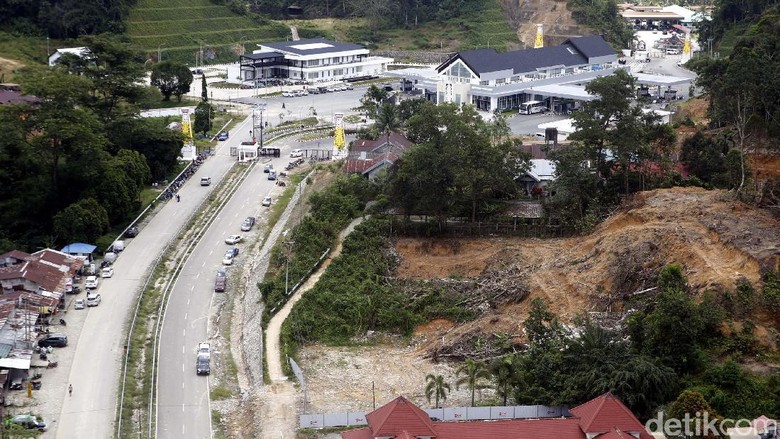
column 516, row 78
column 338, row 72
column 458, row 70
column 484, row 82
column 440, row 98
column 314, row 75
column 500, row 81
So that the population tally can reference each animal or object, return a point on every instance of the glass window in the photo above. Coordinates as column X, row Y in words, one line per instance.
column 500, row 81
column 484, row 82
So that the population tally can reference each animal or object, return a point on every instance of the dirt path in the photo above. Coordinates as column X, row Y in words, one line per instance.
column 278, row 408
column 294, row 32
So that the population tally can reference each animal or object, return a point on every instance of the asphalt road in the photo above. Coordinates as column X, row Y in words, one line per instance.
column 99, row 350
column 183, row 400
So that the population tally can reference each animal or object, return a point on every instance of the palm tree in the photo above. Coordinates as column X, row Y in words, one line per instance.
column 503, row 375
column 387, row 120
column 436, row 388
column 471, row 373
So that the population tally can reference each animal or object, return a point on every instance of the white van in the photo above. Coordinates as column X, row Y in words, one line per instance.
column 672, row 51
column 118, row 246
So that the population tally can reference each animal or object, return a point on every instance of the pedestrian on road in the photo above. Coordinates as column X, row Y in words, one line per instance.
column 70, row 389
column 178, row 198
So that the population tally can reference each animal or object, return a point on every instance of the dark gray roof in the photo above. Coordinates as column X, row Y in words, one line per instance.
column 264, row 55
column 574, row 51
column 333, row 46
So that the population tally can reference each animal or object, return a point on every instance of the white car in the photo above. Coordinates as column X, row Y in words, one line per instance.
column 107, row 272
column 266, row 201
column 204, row 349
column 296, row 153
column 93, row 299
column 78, row 304
column 91, row 282
column 227, row 259
column 233, row 239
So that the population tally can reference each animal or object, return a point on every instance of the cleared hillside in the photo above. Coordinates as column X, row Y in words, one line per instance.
column 179, row 29
column 717, row 240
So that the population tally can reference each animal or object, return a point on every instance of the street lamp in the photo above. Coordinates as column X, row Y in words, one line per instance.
column 261, row 108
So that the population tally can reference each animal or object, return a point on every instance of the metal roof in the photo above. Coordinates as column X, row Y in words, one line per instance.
column 263, row 55
column 573, row 52
column 312, row 46
column 575, row 92
column 644, row 78
column 78, row 247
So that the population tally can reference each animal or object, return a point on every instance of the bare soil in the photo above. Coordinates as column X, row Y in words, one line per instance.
column 716, row 238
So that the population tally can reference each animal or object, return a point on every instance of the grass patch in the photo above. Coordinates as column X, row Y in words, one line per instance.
column 730, row 39
column 220, row 392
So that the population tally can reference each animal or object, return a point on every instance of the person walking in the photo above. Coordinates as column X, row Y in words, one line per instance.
column 70, row 389
column 178, row 198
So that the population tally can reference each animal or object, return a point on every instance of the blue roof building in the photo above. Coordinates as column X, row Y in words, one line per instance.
column 79, row 249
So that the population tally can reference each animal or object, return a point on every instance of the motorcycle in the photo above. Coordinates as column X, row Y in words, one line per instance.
column 281, row 183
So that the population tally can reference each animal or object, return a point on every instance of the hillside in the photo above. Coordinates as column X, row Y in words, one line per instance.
column 179, row 29
column 716, row 239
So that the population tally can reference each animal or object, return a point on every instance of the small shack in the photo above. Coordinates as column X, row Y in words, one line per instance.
column 80, row 250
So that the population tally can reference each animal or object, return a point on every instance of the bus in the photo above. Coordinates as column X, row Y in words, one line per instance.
column 532, row 107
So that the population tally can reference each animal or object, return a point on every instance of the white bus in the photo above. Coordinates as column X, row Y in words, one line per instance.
column 532, row 107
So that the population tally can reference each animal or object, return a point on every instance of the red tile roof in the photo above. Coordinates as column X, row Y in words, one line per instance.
column 365, row 155
column 399, row 415
column 557, row 428
column 606, row 413
column 360, row 433
column 604, row 417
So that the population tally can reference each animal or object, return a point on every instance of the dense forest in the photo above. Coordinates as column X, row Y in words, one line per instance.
column 78, row 158
column 64, row 18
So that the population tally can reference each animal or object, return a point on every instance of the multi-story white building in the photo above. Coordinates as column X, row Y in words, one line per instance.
column 492, row 80
column 312, row 60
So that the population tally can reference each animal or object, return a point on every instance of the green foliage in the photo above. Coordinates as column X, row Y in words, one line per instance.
column 65, row 18
column 604, row 18
column 203, row 114
column 473, row 375
column 613, row 143
column 83, row 221
column 704, row 157
column 689, row 403
column 436, row 388
column 171, row 78
column 735, row 393
column 459, row 163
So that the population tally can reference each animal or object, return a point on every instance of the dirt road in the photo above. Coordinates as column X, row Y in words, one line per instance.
column 278, row 401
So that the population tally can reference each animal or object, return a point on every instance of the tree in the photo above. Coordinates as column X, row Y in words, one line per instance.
column 171, row 78
column 387, row 120
column 83, row 221
column 436, row 388
column 204, row 95
column 203, row 112
column 503, row 370
column 703, row 156
column 372, row 101
column 472, row 374
column 691, row 404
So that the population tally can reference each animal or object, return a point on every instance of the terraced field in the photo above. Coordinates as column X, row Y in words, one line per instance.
column 183, row 29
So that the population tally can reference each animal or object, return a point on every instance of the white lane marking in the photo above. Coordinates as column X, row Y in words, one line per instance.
column 185, row 315
column 182, row 351
column 183, row 332
column 203, row 264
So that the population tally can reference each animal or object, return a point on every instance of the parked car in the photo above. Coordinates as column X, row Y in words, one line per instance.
column 131, row 232
column 91, row 282
column 78, row 304
column 248, row 223
column 107, row 272
column 93, row 299
column 268, row 168
column 272, row 175
column 29, row 422
column 349, row 86
column 233, row 239
column 266, row 201
column 296, row 153
column 54, row 340
column 205, row 181
column 230, row 254
column 202, row 366
column 204, row 349
column 220, row 283
column 222, row 136
column 72, row 289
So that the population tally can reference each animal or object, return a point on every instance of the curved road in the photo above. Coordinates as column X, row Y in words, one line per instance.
column 99, row 351
column 183, row 399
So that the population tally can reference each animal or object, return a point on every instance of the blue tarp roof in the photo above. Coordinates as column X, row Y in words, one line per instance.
column 78, row 247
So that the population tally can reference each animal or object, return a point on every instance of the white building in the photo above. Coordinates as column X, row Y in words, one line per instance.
column 497, row 81
column 312, row 60
column 78, row 51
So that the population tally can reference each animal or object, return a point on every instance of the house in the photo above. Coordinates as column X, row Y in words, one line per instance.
column 44, row 274
column 81, row 52
column 310, row 60
column 11, row 94
column 536, row 179
column 368, row 157
column 79, row 250
column 603, row 417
